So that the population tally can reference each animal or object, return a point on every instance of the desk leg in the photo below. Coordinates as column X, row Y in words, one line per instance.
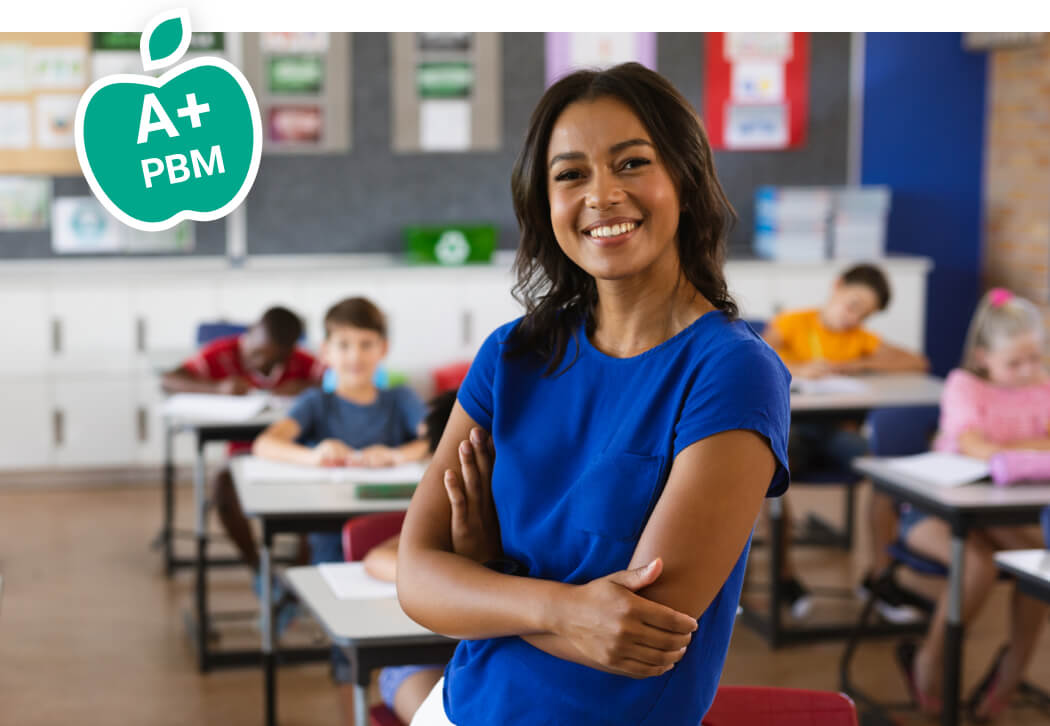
column 268, row 634
column 200, row 566
column 777, row 524
column 360, row 705
column 953, row 641
column 169, row 499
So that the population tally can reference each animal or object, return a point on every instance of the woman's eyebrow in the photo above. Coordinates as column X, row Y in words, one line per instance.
column 614, row 149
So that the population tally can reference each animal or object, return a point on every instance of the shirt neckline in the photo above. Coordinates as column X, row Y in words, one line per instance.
column 681, row 335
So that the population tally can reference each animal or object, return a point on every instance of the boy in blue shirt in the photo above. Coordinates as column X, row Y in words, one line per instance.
column 357, row 424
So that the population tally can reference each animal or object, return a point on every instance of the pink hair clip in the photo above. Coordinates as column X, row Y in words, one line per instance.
column 999, row 296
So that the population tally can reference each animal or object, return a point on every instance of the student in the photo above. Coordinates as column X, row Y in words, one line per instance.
column 636, row 423
column 264, row 357
column 998, row 400
column 357, row 424
column 403, row 688
column 831, row 340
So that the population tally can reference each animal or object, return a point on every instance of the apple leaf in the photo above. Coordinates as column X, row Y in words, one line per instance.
column 165, row 39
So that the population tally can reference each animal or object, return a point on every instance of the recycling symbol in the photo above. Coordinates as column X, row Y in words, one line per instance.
column 452, row 248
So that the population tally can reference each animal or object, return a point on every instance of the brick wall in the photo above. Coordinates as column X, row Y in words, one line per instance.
column 1017, row 173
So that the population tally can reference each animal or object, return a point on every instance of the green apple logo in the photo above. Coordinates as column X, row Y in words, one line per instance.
column 186, row 145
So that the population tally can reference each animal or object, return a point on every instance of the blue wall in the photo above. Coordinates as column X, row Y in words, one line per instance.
column 923, row 134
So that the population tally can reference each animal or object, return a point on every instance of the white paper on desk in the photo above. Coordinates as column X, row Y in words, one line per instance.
column 830, row 385
column 349, row 581
column 942, row 468
column 263, row 471
column 214, row 407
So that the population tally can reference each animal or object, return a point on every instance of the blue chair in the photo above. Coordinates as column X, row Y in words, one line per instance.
column 211, row 331
column 1044, row 518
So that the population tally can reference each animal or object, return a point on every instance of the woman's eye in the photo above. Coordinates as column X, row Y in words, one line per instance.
column 635, row 163
column 568, row 175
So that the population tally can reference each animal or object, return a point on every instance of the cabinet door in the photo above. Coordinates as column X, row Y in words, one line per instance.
column 749, row 285
column 96, row 423
column 26, row 426
column 27, row 330
column 165, row 318
column 425, row 322
column 488, row 304
column 92, row 330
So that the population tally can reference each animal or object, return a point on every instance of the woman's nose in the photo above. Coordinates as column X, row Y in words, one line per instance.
column 604, row 191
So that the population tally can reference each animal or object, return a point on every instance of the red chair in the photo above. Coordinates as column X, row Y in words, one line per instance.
column 749, row 706
column 361, row 534
column 448, row 377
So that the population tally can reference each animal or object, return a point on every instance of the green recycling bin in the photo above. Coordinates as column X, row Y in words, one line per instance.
column 449, row 244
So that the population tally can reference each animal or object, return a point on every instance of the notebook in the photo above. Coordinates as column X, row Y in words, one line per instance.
column 264, row 471
column 942, row 468
column 829, row 385
column 349, row 581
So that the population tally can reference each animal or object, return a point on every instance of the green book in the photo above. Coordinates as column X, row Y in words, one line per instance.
column 385, row 491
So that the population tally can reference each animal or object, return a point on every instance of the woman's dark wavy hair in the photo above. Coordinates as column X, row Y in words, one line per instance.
column 554, row 291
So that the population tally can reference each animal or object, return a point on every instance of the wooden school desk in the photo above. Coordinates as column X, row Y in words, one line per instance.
column 373, row 633
column 303, row 502
column 963, row 508
column 880, row 391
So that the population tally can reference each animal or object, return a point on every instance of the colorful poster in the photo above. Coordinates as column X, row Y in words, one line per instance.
column 294, row 74
column 79, row 225
column 55, row 116
column 24, row 202
column 293, row 42
column 16, row 130
column 14, row 73
column 295, row 124
column 57, row 67
column 567, row 52
column 756, row 90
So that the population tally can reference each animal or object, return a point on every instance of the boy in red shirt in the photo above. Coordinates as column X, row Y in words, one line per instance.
column 264, row 357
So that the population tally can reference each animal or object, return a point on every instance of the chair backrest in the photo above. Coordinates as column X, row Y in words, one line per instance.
column 361, row 534
column 380, row 715
column 207, row 332
column 759, row 326
column 753, row 706
column 449, row 377
column 1044, row 517
column 902, row 431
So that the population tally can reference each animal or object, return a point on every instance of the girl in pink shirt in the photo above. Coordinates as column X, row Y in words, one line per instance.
column 998, row 399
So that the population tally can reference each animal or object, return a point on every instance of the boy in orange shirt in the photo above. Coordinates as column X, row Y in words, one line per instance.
column 830, row 341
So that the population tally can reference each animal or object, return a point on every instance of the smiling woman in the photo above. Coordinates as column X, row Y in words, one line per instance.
column 656, row 440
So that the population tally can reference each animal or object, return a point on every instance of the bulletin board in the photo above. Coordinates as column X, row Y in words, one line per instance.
column 42, row 76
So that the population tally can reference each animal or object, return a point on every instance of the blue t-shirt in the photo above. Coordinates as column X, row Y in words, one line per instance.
column 582, row 457
column 391, row 420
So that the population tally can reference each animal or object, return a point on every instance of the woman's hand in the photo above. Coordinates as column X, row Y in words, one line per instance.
column 475, row 526
column 620, row 631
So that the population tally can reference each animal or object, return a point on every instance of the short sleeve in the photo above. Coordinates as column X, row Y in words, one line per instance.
column 960, row 410
column 307, row 412
column 476, row 392
column 197, row 365
column 747, row 388
column 869, row 342
column 410, row 411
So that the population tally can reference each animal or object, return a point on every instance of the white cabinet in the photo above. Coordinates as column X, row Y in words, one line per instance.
column 166, row 316
column 26, row 330
column 26, row 424
column 92, row 328
column 489, row 304
column 96, row 422
column 425, row 319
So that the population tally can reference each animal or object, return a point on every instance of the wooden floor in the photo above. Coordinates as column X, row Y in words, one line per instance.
column 91, row 632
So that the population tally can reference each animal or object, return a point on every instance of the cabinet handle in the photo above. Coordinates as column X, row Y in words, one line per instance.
column 58, row 421
column 143, row 424
column 140, row 334
column 466, row 324
column 56, row 335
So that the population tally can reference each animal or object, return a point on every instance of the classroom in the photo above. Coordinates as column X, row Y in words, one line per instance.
column 369, row 378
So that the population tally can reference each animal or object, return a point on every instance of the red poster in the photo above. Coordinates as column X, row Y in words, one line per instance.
column 756, row 90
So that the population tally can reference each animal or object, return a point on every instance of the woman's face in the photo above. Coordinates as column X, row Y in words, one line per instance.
column 614, row 207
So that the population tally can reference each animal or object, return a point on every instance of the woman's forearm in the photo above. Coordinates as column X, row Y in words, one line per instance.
column 560, row 647
column 460, row 598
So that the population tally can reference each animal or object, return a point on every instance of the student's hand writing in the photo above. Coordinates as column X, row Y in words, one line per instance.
column 235, row 386
column 475, row 526
column 622, row 631
column 376, row 455
column 332, row 452
column 816, row 369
